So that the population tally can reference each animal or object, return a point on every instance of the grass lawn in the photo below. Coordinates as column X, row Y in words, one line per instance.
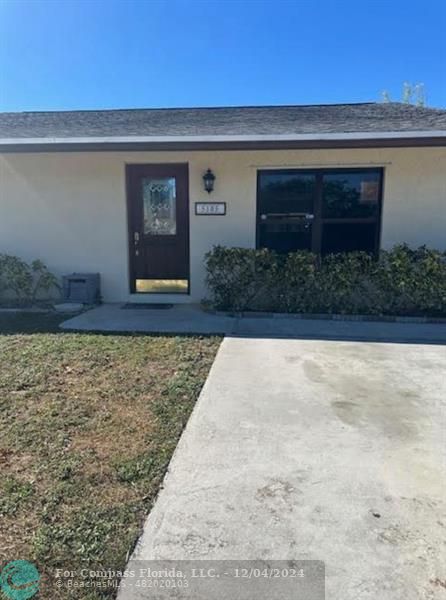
column 88, row 424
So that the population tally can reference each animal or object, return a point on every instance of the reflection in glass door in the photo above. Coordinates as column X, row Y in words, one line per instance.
column 286, row 203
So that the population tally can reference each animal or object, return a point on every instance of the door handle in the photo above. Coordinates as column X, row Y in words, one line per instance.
column 136, row 237
column 306, row 216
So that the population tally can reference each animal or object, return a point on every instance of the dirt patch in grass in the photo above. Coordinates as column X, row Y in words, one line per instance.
column 88, row 424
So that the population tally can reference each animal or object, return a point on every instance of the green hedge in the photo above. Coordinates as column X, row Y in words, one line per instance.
column 23, row 284
column 401, row 282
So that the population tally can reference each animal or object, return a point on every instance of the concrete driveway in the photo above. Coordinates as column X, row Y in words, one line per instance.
column 308, row 449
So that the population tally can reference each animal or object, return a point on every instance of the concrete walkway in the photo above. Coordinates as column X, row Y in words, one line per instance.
column 306, row 449
column 186, row 319
column 190, row 319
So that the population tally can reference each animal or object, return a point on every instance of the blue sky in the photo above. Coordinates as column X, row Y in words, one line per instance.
column 60, row 54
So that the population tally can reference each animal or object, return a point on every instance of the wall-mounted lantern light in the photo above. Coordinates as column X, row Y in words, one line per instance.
column 208, row 179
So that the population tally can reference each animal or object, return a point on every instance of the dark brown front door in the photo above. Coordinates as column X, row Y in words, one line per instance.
column 158, row 217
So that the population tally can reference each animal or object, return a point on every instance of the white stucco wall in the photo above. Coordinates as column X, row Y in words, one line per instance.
column 69, row 209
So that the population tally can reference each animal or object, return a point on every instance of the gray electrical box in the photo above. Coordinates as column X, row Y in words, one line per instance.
column 82, row 287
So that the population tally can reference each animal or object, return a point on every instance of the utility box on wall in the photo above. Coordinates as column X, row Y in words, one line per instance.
column 82, row 287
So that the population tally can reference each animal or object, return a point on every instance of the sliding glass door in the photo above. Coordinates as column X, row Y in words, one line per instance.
column 323, row 210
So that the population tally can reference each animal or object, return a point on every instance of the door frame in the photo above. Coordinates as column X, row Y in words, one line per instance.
column 318, row 221
column 130, row 206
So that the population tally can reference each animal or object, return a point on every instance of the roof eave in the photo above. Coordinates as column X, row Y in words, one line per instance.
column 226, row 142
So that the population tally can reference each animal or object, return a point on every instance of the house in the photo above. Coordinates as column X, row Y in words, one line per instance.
column 121, row 192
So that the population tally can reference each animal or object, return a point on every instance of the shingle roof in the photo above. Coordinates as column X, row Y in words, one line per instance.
column 249, row 120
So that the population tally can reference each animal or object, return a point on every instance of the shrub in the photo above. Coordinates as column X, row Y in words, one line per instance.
column 402, row 281
column 24, row 282
column 345, row 284
column 240, row 277
column 413, row 281
column 297, row 282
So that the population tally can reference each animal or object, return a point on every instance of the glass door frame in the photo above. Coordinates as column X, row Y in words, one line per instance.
column 318, row 220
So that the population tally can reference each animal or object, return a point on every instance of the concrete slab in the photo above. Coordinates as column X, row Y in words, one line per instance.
column 434, row 333
column 305, row 449
column 69, row 307
column 190, row 319
column 181, row 319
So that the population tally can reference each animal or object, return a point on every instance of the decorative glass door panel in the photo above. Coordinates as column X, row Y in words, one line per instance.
column 159, row 205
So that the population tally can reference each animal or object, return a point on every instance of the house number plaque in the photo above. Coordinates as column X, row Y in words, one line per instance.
column 210, row 208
